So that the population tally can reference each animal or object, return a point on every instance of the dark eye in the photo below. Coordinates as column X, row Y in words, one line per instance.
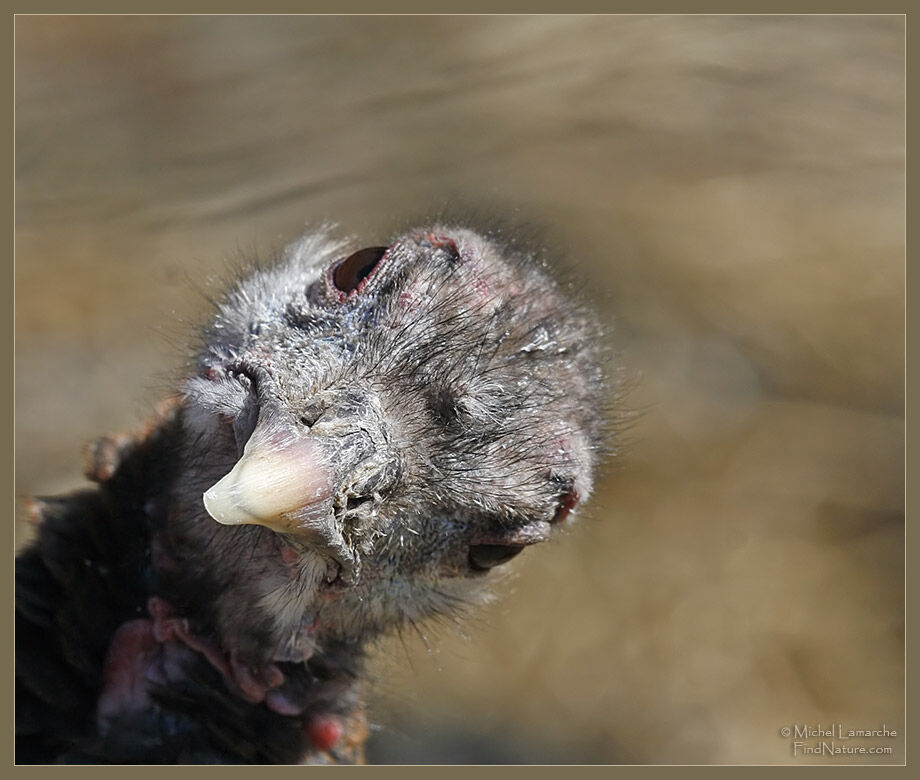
column 348, row 274
column 487, row 556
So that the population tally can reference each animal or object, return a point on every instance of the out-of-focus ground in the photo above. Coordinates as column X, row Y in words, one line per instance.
column 730, row 190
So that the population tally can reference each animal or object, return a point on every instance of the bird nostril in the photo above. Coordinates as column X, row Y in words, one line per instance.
column 312, row 412
column 355, row 501
column 483, row 557
column 310, row 419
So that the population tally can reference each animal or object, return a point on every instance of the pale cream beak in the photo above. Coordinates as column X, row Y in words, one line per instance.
column 283, row 482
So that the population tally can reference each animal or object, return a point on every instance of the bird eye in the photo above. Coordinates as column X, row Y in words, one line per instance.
column 486, row 556
column 348, row 274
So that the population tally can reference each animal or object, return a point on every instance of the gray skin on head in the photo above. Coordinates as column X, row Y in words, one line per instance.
column 434, row 406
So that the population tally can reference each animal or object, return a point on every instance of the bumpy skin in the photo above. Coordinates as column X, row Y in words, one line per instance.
column 429, row 409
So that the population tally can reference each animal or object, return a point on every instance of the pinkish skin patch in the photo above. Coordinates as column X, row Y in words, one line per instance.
column 289, row 555
column 410, row 301
column 124, row 675
column 483, row 289
column 278, row 702
column 442, row 242
column 323, row 731
column 480, row 280
column 253, row 683
column 567, row 502
column 140, row 653
column 136, row 658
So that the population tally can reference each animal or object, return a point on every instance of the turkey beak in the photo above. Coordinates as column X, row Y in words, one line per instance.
column 283, row 481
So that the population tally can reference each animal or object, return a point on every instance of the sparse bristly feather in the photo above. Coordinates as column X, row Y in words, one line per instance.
column 367, row 433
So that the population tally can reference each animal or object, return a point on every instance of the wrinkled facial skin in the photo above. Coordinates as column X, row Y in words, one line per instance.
column 371, row 430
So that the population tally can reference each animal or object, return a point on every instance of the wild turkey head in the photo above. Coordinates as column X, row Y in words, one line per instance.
column 369, row 432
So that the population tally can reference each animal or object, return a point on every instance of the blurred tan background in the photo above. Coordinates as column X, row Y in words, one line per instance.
column 731, row 192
